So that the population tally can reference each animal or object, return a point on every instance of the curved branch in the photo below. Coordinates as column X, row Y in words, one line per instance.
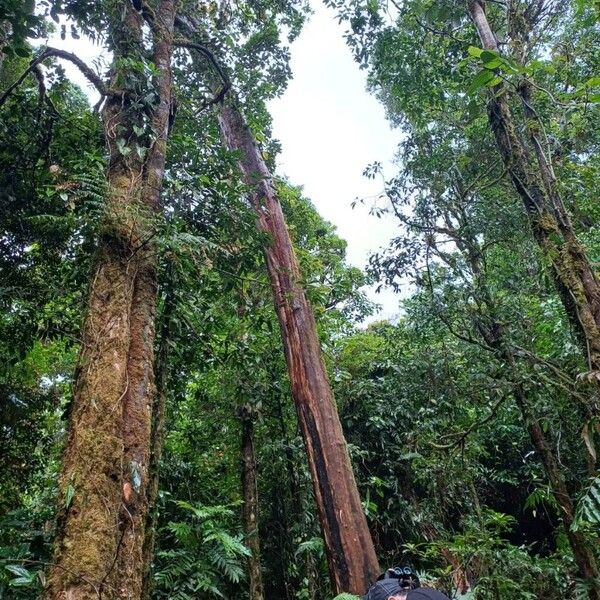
column 462, row 435
column 180, row 43
column 91, row 76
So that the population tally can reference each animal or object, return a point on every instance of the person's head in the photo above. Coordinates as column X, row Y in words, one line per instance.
column 387, row 589
column 394, row 584
column 391, row 589
column 407, row 578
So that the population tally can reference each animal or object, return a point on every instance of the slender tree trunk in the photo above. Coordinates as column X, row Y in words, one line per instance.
column 105, row 466
column 350, row 552
column 575, row 279
column 289, row 493
column 157, row 436
column 352, row 561
column 493, row 334
column 584, row 557
column 312, row 576
column 4, row 35
column 250, row 506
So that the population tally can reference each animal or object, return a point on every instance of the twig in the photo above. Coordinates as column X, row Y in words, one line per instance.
column 462, row 435
column 440, row 32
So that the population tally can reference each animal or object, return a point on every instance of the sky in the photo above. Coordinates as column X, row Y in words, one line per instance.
column 330, row 129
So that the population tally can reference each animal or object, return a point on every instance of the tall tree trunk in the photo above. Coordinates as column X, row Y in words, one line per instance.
column 250, row 506
column 105, row 466
column 290, row 493
column 350, row 552
column 4, row 35
column 584, row 557
column 352, row 561
column 349, row 547
column 492, row 332
column 157, row 436
column 535, row 183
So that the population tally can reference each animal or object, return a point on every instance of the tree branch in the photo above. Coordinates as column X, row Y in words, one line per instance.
column 91, row 76
column 182, row 43
column 463, row 434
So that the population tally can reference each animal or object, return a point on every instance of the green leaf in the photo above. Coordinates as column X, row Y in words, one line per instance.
column 474, row 51
column 481, row 80
column 122, row 147
column 491, row 60
column 22, row 51
column 18, row 570
column 69, row 493
column 588, row 508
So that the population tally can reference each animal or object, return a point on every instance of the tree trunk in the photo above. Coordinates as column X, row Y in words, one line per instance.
column 349, row 547
column 105, row 466
column 157, row 436
column 572, row 272
column 250, row 506
column 4, row 35
column 492, row 332
column 584, row 557
column 353, row 564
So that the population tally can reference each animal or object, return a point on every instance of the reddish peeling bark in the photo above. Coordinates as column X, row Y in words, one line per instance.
column 104, row 474
column 351, row 555
column 250, row 506
column 534, row 181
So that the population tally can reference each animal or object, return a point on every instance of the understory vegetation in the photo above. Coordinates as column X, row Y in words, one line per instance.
column 159, row 437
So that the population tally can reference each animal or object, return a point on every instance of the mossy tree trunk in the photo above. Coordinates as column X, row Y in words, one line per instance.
column 492, row 331
column 104, row 474
column 351, row 555
column 534, row 181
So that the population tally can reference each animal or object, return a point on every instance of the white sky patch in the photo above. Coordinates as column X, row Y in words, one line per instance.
column 330, row 129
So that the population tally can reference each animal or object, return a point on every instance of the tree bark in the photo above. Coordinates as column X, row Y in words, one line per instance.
column 493, row 334
column 250, row 506
column 351, row 555
column 104, row 475
column 157, row 437
column 4, row 35
column 575, row 279
column 584, row 557
column 349, row 547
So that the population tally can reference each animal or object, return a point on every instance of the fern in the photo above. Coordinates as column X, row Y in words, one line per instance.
column 207, row 557
column 312, row 546
column 588, row 508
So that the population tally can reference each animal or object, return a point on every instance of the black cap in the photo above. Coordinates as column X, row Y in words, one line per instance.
column 426, row 594
column 385, row 588
column 382, row 590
